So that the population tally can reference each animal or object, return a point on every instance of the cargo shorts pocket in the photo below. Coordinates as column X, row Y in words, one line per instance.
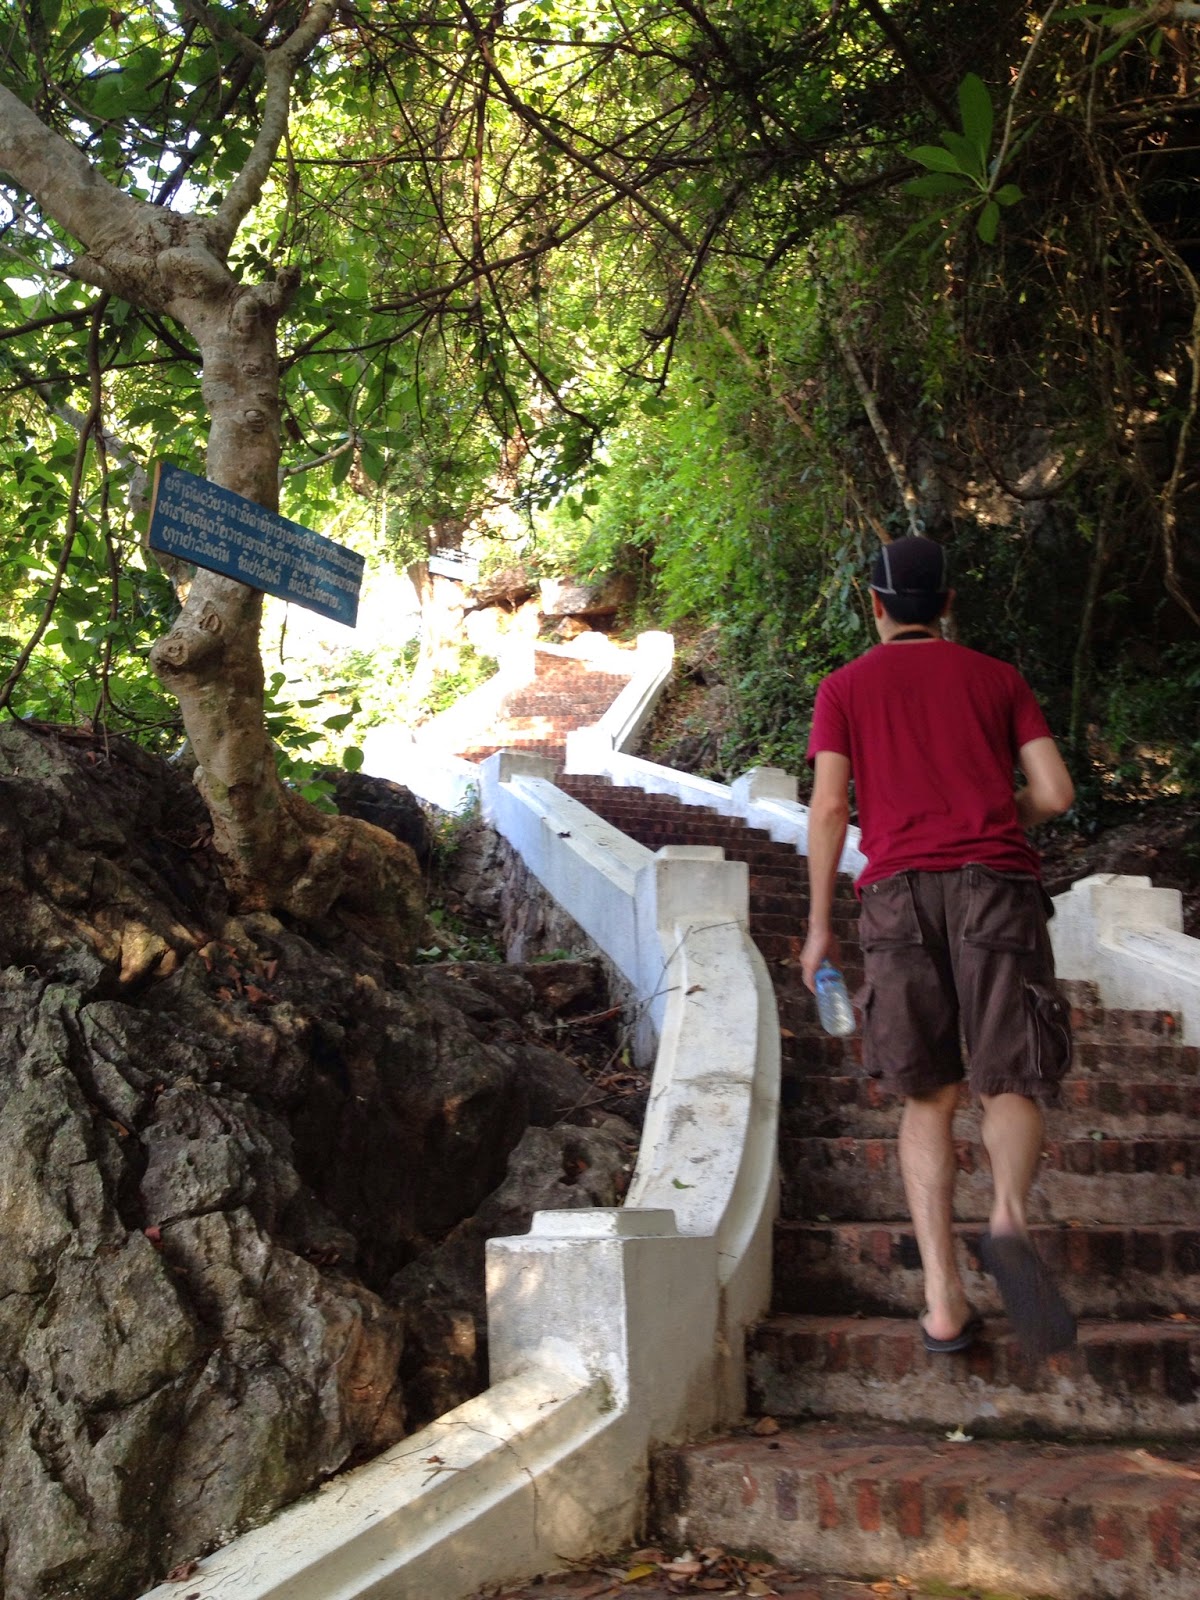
column 888, row 915
column 1003, row 913
column 864, row 1004
column 1048, row 1031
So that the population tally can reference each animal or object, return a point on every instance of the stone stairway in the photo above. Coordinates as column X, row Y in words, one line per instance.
column 1078, row 1478
column 565, row 693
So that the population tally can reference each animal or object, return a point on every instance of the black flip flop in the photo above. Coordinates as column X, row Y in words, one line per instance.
column 1041, row 1318
column 962, row 1340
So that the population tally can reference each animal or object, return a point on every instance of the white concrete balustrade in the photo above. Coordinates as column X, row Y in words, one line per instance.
column 610, row 1331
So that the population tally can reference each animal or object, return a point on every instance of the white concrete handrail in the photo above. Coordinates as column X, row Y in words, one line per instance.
column 629, row 713
column 424, row 762
column 1124, row 935
column 610, row 1331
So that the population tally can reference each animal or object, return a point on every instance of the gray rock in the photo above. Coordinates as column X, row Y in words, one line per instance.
column 224, row 1152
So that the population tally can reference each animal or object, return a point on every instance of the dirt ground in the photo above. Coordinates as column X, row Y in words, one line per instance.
column 655, row 1574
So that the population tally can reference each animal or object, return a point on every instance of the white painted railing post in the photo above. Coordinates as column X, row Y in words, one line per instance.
column 1124, row 935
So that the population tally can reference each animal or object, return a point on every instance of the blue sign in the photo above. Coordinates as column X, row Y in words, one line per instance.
column 198, row 521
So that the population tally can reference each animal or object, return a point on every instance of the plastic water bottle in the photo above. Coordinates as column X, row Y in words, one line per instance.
column 833, row 1003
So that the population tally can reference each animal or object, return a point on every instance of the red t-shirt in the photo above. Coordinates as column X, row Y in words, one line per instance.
column 932, row 731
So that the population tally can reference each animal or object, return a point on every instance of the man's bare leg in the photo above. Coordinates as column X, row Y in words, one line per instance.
column 929, row 1170
column 1012, row 1136
column 1041, row 1318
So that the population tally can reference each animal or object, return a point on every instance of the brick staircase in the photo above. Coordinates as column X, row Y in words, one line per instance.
column 1078, row 1478
column 565, row 693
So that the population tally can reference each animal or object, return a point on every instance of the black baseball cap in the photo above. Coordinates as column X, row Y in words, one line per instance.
column 909, row 576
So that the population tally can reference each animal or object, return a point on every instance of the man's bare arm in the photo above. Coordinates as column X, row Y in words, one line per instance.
column 828, row 816
column 1048, row 788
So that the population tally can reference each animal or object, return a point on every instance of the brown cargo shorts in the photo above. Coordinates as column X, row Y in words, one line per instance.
column 962, row 956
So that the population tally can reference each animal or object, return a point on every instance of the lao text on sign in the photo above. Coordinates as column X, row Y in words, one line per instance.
column 198, row 521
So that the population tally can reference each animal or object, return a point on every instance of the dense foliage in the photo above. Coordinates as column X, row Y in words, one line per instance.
column 718, row 294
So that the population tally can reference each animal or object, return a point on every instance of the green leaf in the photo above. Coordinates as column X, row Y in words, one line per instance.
column 341, row 466
column 1110, row 52
column 1007, row 195
column 966, row 154
column 989, row 219
column 975, row 108
column 932, row 155
column 352, row 758
column 931, row 185
column 342, row 720
column 373, row 464
column 85, row 30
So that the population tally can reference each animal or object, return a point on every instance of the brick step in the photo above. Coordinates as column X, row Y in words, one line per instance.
column 861, row 1107
column 725, row 1575
column 1080, row 991
column 535, row 747
column 584, row 702
column 1103, row 1054
column 1139, row 1027
column 781, row 920
column 1134, row 1181
column 509, row 725
column 810, row 1051
column 791, row 878
column 709, row 830
column 874, row 1268
column 772, row 913
column 1108, row 1523
column 1122, row 1380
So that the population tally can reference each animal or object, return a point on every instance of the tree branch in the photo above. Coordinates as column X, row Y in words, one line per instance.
column 282, row 64
column 900, row 45
column 68, row 188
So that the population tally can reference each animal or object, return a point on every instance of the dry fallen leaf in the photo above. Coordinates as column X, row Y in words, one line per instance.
column 765, row 1426
column 184, row 1570
column 682, row 1569
column 641, row 1569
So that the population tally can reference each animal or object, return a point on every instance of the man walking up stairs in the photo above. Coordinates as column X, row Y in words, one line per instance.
column 1076, row 1476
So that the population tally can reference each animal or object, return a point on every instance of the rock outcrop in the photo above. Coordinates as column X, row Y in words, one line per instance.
column 225, row 1151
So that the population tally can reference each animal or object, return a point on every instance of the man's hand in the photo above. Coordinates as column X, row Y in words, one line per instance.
column 821, row 945
column 1049, row 791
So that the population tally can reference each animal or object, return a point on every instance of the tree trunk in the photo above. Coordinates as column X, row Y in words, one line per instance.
column 277, row 852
